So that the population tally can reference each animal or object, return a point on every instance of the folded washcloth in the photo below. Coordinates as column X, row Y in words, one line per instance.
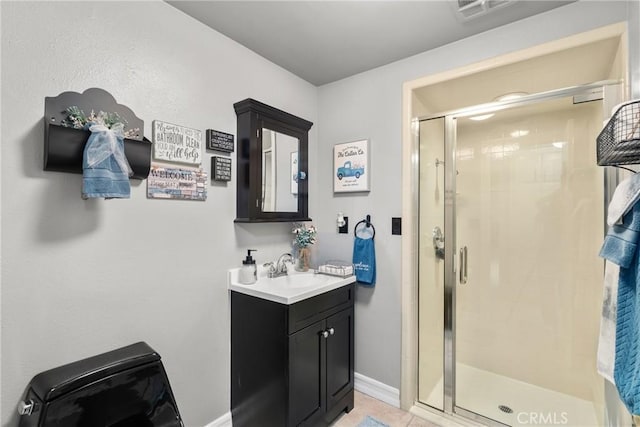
column 364, row 260
column 620, row 248
column 105, row 169
column 626, row 195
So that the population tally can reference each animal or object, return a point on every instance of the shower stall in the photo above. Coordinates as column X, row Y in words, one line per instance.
column 511, row 219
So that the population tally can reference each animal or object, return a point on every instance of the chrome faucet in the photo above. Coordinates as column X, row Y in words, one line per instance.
column 279, row 268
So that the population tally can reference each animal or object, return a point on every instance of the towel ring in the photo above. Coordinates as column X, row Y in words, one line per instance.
column 367, row 223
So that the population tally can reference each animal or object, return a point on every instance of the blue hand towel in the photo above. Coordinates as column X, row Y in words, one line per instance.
column 364, row 261
column 620, row 247
column 105, row 170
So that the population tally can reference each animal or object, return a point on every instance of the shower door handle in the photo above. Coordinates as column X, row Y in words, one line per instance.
column 463, row 265
column 438, row 242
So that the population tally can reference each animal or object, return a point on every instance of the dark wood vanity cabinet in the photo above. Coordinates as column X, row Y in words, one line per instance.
column 291, row 365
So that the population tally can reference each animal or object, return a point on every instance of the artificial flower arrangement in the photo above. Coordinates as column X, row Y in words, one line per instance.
column 77, row 119
column 305, row 237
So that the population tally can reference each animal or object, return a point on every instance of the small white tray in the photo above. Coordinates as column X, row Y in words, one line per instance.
column 336, row 269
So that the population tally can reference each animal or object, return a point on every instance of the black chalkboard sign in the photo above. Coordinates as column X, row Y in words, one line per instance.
column 221, row 167
column 220, row 141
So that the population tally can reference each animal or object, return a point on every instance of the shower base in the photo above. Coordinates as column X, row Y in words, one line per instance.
column 485, row 392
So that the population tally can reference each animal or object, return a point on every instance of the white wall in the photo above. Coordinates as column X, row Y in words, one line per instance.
column 368, row 105
column 84, row 277
column 634, row 48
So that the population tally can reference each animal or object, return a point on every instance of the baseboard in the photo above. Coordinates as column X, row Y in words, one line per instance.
column 376, row 389
column 223, row 421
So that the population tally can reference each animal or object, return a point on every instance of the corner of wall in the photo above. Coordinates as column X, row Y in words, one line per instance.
column 378, row 390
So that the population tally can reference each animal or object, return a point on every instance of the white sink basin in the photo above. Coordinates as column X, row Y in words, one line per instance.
column 288, row 289
column 301, row 280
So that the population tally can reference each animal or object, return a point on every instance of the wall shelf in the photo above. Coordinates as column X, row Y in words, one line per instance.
column 64, row 146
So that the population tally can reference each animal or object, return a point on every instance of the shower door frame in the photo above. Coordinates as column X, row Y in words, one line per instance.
column 611, row 178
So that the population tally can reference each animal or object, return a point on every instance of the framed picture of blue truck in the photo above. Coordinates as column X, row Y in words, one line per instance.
column 351, row 167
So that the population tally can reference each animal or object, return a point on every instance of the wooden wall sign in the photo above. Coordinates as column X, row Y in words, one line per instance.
column 221, row 167
column 351, row 169
column 219, row 141
column 176, row 183
column 175, row 143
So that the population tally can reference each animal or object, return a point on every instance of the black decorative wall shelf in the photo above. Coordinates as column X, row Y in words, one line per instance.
column 63, row 146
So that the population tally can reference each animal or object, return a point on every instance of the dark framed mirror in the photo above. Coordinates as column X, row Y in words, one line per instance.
column 272, row 159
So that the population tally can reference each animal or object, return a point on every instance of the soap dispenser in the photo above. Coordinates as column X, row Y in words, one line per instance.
column 248, row 272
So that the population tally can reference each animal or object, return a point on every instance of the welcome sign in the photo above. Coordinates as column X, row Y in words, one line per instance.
column 176, row 183
column 175, row 143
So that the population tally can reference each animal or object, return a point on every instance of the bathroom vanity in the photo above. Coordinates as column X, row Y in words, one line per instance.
column 291, row 350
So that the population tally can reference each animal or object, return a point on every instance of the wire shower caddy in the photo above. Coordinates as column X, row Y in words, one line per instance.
column 619, row 141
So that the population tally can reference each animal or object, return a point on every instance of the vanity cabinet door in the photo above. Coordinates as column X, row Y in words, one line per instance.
column 339, row 355
column 307, row 366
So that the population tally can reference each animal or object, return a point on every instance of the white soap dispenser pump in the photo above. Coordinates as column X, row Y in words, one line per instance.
column 248, row 273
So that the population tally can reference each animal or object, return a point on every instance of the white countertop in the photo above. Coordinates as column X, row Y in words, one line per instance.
column 294, row 287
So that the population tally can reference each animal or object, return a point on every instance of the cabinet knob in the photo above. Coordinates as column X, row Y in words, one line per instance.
column 325, row 334
column 302, row 175
column 332, row 331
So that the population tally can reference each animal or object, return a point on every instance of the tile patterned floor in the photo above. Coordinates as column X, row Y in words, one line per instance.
column 366, row 405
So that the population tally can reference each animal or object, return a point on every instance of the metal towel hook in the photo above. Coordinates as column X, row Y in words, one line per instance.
column 367, row 223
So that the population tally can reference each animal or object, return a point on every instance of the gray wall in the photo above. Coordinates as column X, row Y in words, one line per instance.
column 369, row 105
column 62, row 298
column 83, row 277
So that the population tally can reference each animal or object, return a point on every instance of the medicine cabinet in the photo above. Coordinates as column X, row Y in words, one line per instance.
column 272, row 160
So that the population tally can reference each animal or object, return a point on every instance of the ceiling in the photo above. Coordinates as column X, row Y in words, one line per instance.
column 324, row 41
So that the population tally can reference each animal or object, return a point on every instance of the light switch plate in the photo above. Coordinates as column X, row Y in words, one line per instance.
column 396, row 226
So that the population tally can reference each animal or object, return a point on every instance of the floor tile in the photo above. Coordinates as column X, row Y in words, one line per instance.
column 366, row 405
column 419, row 422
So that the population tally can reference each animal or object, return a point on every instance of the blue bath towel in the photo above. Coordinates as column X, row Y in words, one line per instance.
column 364, row 261
column 620, row 247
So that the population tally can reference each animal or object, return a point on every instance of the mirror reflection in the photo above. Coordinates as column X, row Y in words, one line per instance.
column 279, row 172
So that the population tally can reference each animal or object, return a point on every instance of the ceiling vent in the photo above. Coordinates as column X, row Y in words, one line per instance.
column 468, row 9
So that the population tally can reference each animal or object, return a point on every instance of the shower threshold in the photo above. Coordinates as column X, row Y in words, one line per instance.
column 530, row 405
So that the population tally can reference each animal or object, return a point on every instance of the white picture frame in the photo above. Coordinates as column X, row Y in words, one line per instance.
column 351, row 168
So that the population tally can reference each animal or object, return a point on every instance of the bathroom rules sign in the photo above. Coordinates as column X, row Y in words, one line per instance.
column 175, row 143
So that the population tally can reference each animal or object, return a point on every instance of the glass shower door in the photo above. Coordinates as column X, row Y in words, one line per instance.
column 528, row 286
